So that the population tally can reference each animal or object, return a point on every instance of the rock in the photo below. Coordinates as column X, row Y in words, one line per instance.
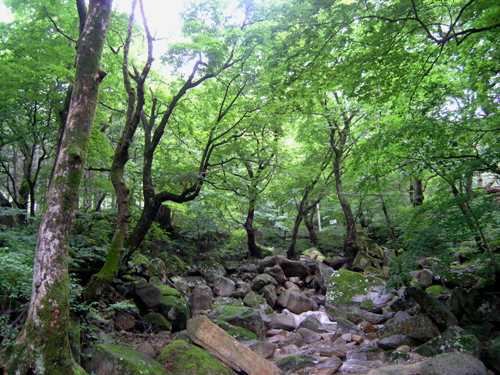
column 264, row 349
column 157, row 321
column 370, row 353
column 280, row 321
column 435, row 290
column 147, row 349
column 327, row 367
column 308, row 335
column 346, row 289
column 482, row 306
column 176, row 310
column 181, row 357
column 367, row 327
column 211, row 270
column 374, row 318
column 295, row 301
column 269, row 293
column 290, row 285
column 261, row 281
column 412, row 369
column 140, row 264
column 220, row 301
column 238, row 333
column 293, row 363
column 200, row 300
column 425, row 278
column 395, row 341
column 168, row 291
column 124, row 321
column 437, row 310
column 253, row 300
column 419, row 327
column 147, row 297
column 453, row 339
column 323, row 274
column 240, row 316
column 311, row 322
column 290, row 267
column 361, row 262
column 453, row 363
column 224, row 286
column 158, row 269
column 105, row 359
column 348, row 327
column 241, row 292
column 277, row 273
column 493, row 354
column 206, row 334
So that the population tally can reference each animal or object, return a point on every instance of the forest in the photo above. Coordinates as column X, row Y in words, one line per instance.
column 266, row 127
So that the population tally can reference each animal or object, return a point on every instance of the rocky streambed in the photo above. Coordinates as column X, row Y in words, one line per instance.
column 310, row 316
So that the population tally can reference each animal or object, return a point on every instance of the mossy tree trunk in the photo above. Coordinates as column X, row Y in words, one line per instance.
column 121, row 156
column 43, row 346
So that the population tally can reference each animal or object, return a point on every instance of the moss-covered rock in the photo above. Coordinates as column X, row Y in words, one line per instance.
column 119, row 360
column 293, row 363
column 493, row 354
column 434, row 290
column 454, row 339
column 176, row 311
column 158, row 322
column 211, row 270
column 239, row 333
column 240, row 316
column 347, row 288
column 182, row 358
column 168, row 291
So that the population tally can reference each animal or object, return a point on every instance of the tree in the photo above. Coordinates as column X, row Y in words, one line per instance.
column 43, row 345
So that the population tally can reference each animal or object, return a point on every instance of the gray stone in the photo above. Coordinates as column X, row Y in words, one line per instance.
column 277, row 273
column 311, row 322
column 105, row 359
column 200, row 300
column 434, row 308
column 454, row 339
column 454, row 363
column 323, row 274
column 224, row 286
column 147, row 297
column 269, row 293
column 262, row 280
column 308, row 335
column 295, row 301
column 240, row 316
column 264, row 349
column 374, row 318
column 211, row 270
column 395, row 341
column 419, row 327
column 280, row 321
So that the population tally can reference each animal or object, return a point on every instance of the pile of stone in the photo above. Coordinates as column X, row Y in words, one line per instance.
column 303, row 317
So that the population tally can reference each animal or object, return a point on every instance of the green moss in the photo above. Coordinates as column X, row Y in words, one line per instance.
column 295, row 362
column 169, row 291
column 185, row 358
column 344, row 285
column 239, row 333
column 434, row 290
column 366, row 304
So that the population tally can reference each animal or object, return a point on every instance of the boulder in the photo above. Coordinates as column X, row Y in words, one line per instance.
column 211, row 270
column 269, row 293
column 482, row 306
column 425, row 278
column 454, row 339
column 419, row 327
column 308, row 335
column 200, row 300
column 295, row 301
column 238, row 333
column 280, row 321
column 124, row 321
column 323, row 274
column 277, row 273
column 293, row 363
column 290, row 267
column 168, row 290
column 395, row 341
column 224, row 286
column 158, row 269
column 264, row 349
column 453, row 363
column 157, row 321
column 493, row 354
column 147, row 297
column 434, row 308
column 311, row 322
column 240, row 316
column 361, row 263
column 105, row 359
column 212, row 338
column 261, row 281
column 176, row 310
column 181, row 357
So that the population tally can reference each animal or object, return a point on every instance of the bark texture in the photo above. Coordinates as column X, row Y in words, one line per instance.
column 43, row 346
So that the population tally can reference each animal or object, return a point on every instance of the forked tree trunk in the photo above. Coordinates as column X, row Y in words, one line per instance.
column 42, row 347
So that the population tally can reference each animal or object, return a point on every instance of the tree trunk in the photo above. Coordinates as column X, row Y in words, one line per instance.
column 290, row 252
column 351, row 241
column 253, row 249
column 121, row 156
column 418, row 193
column 43, row 347
column 310, row 228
